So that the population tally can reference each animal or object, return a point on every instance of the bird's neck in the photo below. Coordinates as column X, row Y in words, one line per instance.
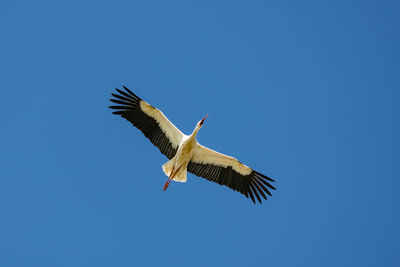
column 194, row 133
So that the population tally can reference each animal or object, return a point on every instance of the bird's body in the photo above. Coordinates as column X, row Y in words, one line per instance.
column 185, row 153
column 181, row 159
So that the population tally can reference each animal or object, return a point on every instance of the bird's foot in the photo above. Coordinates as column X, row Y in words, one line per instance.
column 166, row 185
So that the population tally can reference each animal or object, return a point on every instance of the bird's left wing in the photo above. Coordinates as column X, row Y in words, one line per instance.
column 226, row 170
column 151, row 121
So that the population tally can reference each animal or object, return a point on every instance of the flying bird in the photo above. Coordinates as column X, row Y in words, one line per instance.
column 185, row 153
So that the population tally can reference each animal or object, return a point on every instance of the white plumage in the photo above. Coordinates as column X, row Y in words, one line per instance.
column 185, row 153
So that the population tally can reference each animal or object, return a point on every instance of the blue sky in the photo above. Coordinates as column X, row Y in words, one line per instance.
column 306, row 92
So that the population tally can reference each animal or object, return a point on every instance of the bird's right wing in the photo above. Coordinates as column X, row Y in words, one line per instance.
column 226, row 170
column 151, row 121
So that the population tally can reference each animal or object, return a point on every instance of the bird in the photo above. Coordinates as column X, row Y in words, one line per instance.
column 184, row 152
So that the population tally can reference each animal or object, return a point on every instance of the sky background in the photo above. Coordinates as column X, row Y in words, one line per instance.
column 306, row 92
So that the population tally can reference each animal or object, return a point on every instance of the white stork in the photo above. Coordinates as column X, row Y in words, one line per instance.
column 185, row 153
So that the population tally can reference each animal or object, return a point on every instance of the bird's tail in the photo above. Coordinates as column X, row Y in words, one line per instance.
column 180, row 176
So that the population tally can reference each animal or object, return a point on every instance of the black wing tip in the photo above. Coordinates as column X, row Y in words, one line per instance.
column 120, row 102
column 119, row 112
column 130, row 92
column 272, row 187
column 260, row 185
column 126, row 100
column 264, row 176
column 252, row 186
column 126, row 93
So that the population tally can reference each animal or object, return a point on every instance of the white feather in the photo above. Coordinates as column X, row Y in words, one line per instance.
column 206, row 155
column 169, row 129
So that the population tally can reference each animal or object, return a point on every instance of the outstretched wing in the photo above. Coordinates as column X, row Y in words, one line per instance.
column 151, row 121
column 226, row 170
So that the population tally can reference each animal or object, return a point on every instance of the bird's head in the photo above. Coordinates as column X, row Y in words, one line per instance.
column 200, row 123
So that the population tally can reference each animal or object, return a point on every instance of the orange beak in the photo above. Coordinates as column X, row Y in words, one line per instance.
column 201, row 122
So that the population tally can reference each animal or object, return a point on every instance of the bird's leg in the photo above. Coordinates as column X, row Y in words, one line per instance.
column 171, row 176
column 168, row 180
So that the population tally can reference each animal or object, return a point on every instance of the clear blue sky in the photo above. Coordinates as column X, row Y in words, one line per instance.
column 306, row 92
